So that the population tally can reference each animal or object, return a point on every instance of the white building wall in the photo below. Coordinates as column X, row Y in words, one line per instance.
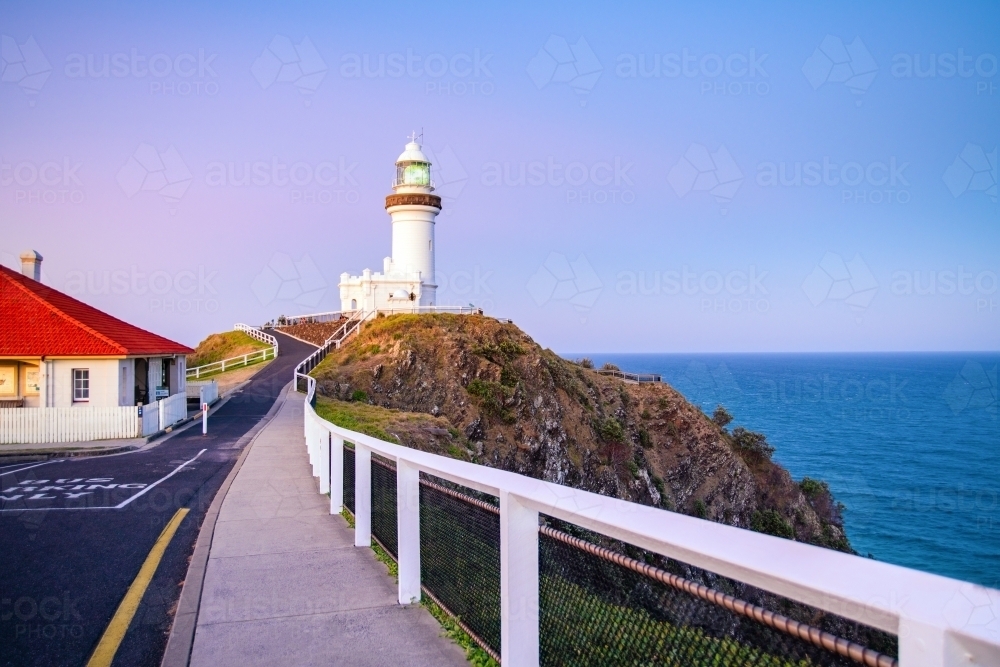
column 413, row 240
column 104, row 374
column 375, row 291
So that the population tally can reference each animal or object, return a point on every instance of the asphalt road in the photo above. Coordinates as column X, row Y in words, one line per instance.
column 75, row 532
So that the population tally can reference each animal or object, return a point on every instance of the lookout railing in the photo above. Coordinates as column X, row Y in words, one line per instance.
column 540, row 573
column 631, row 377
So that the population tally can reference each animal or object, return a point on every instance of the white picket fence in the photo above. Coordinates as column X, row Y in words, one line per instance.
column 207, row 391
column 33, row 425
column 150, row 419
column 172, row 409
column 38, row 425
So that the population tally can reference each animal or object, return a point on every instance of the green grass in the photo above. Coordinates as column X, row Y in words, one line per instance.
column 593, row 631
column 224, row 345
column 361, row 417
column 236, row 365
column 473, row 653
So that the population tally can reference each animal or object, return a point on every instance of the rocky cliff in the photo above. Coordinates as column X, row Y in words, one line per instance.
column 498, row 398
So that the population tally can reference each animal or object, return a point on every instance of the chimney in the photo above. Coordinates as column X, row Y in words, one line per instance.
column 31, row 265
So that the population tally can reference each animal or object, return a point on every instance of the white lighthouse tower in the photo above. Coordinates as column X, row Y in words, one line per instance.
column 407, row 280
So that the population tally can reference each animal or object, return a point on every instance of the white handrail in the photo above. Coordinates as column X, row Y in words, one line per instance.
column 939, row 621
column 241, row 360
column 254, row 332
column 311, row 317
column 350, row 325
column 631, row 377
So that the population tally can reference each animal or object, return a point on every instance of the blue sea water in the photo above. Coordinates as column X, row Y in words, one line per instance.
column 909, row 443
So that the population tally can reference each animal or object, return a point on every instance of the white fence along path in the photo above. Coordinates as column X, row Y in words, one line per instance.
column 241, row 360
column 939, row 621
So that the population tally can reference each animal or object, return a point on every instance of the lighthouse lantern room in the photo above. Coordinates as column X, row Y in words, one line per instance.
column 407, row 278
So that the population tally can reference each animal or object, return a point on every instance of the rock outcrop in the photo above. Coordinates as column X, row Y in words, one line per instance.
column 516, row 406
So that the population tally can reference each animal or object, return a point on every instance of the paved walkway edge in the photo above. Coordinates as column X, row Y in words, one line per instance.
column 178, row 651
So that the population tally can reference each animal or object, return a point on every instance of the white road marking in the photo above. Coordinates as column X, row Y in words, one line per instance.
column 105, row 507
column 175, row 471
column 11, row 472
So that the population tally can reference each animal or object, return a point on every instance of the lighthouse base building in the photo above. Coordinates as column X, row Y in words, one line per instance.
column 406, row 282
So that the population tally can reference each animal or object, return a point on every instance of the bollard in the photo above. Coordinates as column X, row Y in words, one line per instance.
column 204, row 418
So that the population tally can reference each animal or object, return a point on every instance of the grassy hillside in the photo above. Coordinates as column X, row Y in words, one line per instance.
column 223, row 346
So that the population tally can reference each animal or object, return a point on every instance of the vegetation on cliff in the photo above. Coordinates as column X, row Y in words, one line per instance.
column 476, row 388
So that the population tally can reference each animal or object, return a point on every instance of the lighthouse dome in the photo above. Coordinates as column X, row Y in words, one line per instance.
column 413, row 170
column 412, row 153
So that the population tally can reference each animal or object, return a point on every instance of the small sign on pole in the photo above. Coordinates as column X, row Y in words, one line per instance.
column 204, row 418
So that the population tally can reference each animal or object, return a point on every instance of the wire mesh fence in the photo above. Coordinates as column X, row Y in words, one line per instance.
column 460, row 557
column 349, row 478
column 599, row 607
column 603, row 602
column 384, row 504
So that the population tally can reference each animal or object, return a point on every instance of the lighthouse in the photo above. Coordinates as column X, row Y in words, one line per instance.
column 407, row 278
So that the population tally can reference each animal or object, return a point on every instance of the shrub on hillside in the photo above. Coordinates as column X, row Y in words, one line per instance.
column 752, row 446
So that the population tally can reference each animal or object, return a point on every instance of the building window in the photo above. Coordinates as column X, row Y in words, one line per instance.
column 81, row 384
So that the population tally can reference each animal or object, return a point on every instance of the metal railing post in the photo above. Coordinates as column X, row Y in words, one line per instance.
column 408, row 531
column 518, row 582
column 362, row 496
column 336, row 474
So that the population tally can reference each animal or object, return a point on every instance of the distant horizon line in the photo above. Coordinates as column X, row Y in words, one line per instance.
column 813, row 352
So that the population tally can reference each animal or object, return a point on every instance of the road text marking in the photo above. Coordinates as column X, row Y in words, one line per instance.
column 106, row 507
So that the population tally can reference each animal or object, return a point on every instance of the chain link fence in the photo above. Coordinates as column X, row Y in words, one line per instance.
column 604, row 602
column 384, row 504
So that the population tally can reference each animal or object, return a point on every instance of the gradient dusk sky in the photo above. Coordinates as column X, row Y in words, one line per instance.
column 675, row 178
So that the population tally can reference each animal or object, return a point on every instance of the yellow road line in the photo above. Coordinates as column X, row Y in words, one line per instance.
column 115, row 632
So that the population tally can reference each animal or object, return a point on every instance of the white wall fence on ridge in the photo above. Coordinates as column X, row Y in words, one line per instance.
column 939, row 622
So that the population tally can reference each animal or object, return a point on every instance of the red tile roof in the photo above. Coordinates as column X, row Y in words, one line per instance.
column 37, row 321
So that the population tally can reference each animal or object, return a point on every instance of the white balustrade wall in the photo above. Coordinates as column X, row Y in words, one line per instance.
column 940, row 622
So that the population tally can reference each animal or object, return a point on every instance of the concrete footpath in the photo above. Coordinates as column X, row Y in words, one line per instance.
column 286, row 585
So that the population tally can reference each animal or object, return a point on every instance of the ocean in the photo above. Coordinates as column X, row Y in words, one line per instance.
column 909, row 443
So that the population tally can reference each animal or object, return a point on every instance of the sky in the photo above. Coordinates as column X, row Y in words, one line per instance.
column 771, row 177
